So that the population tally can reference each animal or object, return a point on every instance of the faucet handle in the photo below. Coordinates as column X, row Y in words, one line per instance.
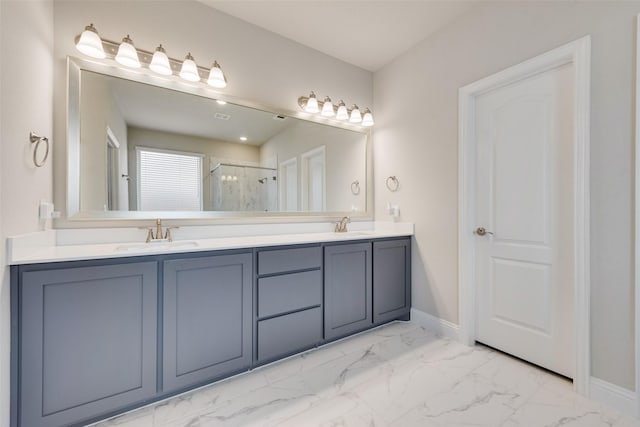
column 167, row 233
column 150, row 236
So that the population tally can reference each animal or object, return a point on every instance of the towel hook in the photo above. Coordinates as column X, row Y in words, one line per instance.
column 355, row 187
column 392, row 183
column 36, row 139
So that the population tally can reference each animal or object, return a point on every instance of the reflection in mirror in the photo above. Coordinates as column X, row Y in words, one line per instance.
column 148, row 148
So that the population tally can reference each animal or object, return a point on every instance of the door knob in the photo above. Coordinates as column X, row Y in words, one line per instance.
column 480, row 231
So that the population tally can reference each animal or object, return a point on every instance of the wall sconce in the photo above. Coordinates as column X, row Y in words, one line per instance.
column 189, row 69
column 312, row 104
column 125, row 53
column 326, row 108
column 355, row 116
column 160, row 62
column 90, row 44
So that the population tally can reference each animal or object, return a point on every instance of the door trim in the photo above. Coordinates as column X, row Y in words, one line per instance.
column 637, row 222
column 577, row 53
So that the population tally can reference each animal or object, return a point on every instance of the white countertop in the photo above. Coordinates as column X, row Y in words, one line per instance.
column 63, row 245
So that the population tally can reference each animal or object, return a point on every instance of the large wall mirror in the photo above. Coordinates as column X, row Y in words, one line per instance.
column 144, row 147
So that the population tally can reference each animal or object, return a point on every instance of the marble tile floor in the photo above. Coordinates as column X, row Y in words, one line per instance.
column 396, row 375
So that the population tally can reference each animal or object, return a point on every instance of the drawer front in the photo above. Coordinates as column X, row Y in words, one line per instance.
column 283, row 260
column 290, row 333
column 289, row 292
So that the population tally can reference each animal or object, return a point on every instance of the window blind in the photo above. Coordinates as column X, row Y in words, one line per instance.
column 169, row 181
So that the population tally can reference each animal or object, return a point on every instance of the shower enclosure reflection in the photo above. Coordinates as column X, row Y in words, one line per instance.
column 243, row 188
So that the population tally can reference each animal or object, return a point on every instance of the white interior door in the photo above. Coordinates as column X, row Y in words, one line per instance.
column 525, row 202
column 313, row 180
column 289, row 185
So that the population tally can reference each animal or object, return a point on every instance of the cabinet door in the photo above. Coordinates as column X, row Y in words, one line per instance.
column 391, row 279
column 207, row 319
column 347, row 287
column 88, row 341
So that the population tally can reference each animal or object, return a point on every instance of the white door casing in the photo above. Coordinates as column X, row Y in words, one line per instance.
column 524, row 194
column 576, row 54
column 637, row 221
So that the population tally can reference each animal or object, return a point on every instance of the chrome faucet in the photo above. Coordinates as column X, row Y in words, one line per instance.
column 158, row 234
column 341, row 226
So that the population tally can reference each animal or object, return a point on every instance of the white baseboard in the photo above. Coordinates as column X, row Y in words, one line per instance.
column 615, row 396
column 433, row 323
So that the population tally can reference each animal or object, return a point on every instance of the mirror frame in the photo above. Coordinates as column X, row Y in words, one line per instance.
column 74, row 68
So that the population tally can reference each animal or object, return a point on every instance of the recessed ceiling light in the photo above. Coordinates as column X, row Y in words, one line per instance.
column 243, row 138
column 221, row 102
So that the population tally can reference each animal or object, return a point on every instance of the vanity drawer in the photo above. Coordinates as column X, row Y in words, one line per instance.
column 283, row 260
column 290, row 333
column 289, row 292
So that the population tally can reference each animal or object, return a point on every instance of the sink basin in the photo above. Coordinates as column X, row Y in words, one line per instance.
column 156, row 246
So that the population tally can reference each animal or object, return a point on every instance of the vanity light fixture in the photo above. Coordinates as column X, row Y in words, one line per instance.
column 312, row 104
column 90, row 43
column 160, row 62
column 189, row 70
column 127, row 54
column 355, row 116
column 216, row 76
column 342, row 113
column 367, row 119
column 327, row 108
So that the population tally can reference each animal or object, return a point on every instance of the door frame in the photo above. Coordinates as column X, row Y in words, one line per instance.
column 637, row 221
column 577, row 53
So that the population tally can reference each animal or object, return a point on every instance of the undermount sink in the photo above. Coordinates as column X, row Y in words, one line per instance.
column 156, row 246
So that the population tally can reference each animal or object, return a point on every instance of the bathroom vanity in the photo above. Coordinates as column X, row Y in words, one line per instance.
column 95, row 337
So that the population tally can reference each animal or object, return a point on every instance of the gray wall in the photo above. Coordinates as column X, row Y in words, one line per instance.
column 101, row 111
column 345, row 161
column 26, row 52
column 416, row 138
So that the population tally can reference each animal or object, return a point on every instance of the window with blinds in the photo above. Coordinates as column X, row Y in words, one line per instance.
column 169, row 180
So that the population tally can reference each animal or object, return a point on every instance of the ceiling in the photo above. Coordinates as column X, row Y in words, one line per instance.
column 365, row 33
column 164, row 110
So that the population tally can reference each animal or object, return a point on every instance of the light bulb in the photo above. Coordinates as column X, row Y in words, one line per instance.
column 312, row 104
column 127, row 54
column 189, row 70
column 216, row 76
column 355, row 117
column 90, row 43
column 327, row 108
column 342, row 113
column 367, row 119
column 160, row 62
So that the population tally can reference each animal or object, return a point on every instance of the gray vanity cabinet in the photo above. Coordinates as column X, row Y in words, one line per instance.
column 87, row 341
column 391, row 279
column 91, row 339
column 288, row 301
column 206, row 319
column 347, row 289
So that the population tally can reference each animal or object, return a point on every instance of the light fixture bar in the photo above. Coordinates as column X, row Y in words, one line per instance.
column 366, row 118
column 111, row 50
